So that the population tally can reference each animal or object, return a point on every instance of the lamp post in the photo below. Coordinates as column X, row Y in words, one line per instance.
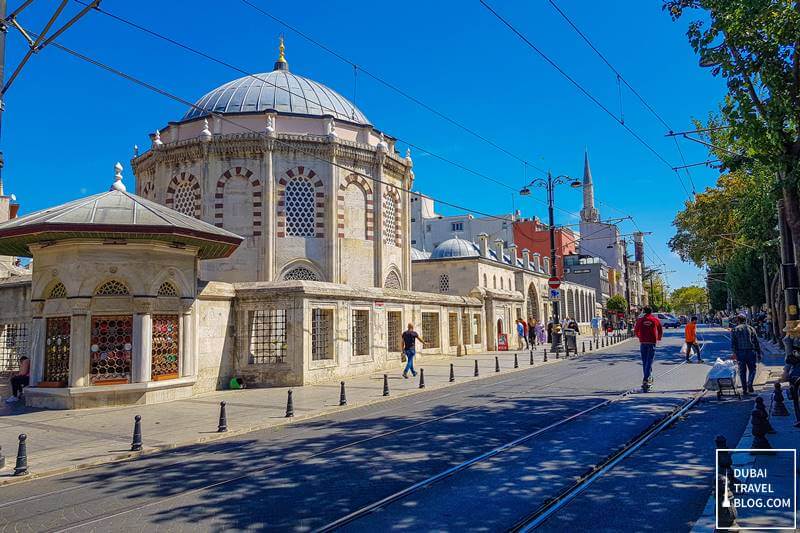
column 549, row 185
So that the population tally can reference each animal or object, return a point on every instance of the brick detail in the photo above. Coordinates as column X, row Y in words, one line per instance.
column 255, row 183
column 301, row 173
column 356, row 181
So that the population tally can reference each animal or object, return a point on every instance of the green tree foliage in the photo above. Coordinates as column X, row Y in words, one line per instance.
column 685, row 300
column 617, row 304
column 717, row 288
column 656, row 290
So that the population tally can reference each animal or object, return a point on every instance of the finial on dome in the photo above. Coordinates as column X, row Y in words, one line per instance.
column 157, row 140
column 270, row 125
column 281, row 63
column 382, row 146
column 135, row 150
column 118, row 185
column 206, row 133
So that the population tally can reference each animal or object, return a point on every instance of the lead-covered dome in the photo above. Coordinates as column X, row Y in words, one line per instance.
column 279, row 90
column 455, row 247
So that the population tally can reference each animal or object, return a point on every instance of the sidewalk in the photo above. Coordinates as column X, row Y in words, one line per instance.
column 61, row 441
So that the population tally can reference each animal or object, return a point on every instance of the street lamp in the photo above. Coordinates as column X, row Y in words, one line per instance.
column 549, row 185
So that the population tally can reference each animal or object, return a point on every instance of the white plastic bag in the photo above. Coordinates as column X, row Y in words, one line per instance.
column 721, row 369
column 684, row 348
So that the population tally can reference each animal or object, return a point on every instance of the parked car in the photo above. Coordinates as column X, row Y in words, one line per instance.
column 683, row 319
column 668, row 321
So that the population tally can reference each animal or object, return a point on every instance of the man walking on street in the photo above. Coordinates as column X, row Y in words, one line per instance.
column 409, row 349
column 745, row 348
column 690, row 334
column 648, row 330
column 596, row 328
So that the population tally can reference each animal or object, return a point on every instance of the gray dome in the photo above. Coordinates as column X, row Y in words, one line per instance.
column 455, row 247
column 419, row 255
column 281, row 91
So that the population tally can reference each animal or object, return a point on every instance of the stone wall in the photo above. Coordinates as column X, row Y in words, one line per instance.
column 216, row 336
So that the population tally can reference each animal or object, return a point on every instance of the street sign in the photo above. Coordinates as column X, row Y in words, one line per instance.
column 555, row 294
column 554, row 283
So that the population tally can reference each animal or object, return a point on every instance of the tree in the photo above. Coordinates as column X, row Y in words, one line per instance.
column 617, row 304
column 656, row 290
column 688, row 300
column 717, row 288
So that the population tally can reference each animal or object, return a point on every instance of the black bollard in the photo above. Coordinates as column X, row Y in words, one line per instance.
column 289, row 404
column 726, row 512
column 557, row 352
column 136, row 445
column 421, row 378
column 386, row 384
column 496, row 364
column 531, row 358
column 763, row 408
column 778, row 405
column 583, row 346
column 597, row 344
column 222, row 427
column 760, row 427
column 545, row 355
column 516, row 362
column 452, row 373
column 2, row 459
column 342, row 395
column 476, row 368
column 21, row 468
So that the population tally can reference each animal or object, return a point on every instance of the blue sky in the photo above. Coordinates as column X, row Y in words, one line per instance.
column 67, row 122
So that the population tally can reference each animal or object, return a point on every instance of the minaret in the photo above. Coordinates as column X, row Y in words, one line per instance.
column 588, row 213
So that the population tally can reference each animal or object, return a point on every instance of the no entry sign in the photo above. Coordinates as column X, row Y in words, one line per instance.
column 554, row 283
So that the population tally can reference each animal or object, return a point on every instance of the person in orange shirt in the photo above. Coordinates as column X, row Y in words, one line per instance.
column 691, row 340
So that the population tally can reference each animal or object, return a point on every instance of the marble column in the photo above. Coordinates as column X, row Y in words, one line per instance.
column 38, row 333
column 142, row 363
column 188, row 353
column 79, row 354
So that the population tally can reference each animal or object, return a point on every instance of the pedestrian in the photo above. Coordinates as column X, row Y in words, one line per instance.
column 690, row 334
column 595, row 327
column 541, row 335
column 522, row 337
column 19, row 380
column 746, row 350
column 550, row 331
column 605, row 326
column 409, row 349
column 649, row 331
column 531, row 332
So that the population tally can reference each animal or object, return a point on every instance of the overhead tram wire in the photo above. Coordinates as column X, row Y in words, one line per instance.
column 240, row 70
column 582, row 89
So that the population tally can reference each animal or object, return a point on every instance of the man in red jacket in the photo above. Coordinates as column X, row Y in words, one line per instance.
column 648, row 330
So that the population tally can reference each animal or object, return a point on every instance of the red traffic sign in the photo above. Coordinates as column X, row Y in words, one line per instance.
column 554, row 283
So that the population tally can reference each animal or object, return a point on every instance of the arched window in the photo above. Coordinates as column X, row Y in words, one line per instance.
column 300, row 211
column 502, row 283
column 392, row 281
column 444, row 283
column 167, row 289
column 112, row 288
column 302, row 274
column 494, row 282
column 58, row 291
column 184, row 200
column 183, row 195
column 389, row 220
column 485, row 282
column 355, row 212
column 533, row 302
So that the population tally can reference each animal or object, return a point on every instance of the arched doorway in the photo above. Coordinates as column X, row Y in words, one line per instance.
column 533, row 302
column 499, row 326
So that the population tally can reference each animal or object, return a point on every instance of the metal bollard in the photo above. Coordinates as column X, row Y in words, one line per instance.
column 583, row 346
column 136, row 445
column 476, row 368
column 421, row 378
column 760, row 428
column 597, row 344
column 452, row 373
column 289, row 404
column 2, row 459
column 531, row 358
column 545, row 355
column 763, row 408
column 496, row 364
column 516, row 362
column 21, row 468
column 342, row 395
column 778, row 405
column 386, row 384
column 222, row 427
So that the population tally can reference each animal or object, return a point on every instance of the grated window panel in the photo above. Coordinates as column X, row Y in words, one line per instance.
column 111, row 349
column 300, row 211
column 392, row 281
column 444, row 283
column 167, row 289
column 360, row 332
column 165, row 347
column 112, row 288
column 184, row 201
column 430, row 329
column 465, row 333
column 56, row 350
column 13, row 345
column 268, row 336
column 476, row 326
column 321, row 334
column 452, row 329
column 58, row 291
column 301, row 274
column 389, row 220
column 394, row 327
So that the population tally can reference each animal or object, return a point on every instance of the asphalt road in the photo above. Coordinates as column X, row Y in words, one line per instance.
column 305, row 475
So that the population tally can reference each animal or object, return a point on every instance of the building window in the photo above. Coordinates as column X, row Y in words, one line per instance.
column 485, row 283
column 392, row 281
column 13, row 345
column 413, row 241
column 167, row 289
column 502, row 283
column 413, row 219
column 56, row 350
column 267, row 336
column 58, row 291
column 302, row 274
column 389, row 220
column 300, row 212
column 360, row 332
column 112, row 288
column 476, row 326
column 430, row 329
column 452, row 329
column 321, row 334
column 428, row 228
column 165, row 347
column 494, row 282
column 111, row 349
column 466, row 336
column 394, row 329
column 184, row 201
column 444, row 283
column 457, row 226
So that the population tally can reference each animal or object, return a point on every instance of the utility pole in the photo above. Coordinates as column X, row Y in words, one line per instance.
column 3, row 33
column 788, row 269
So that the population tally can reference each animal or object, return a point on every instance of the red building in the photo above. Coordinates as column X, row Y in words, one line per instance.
column 534, row 235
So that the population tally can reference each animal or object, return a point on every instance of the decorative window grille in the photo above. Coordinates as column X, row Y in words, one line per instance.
column 321, row 334
column 302, row 274
column 56, row 350
column 184, row 201
column 430, row 329
column 533, row 302
column 58, row 291
column 165, row 347
column 392, row 281
column 452, row 329
column 394, row 327
column 112, row 288
column 111, row 349
column 13, row 345
column 476, row 326
column 360, row 332
column 444, row 283
column 268, row 336
column 389, row 220
column 465, row 333
column 167, row 289
column 300, row 211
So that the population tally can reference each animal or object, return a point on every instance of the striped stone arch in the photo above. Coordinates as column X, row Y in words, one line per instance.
column 309, row 175
column 369, row 205
column 392, row 195
column 147, row 190
column 183, row 194
column 219, row 197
